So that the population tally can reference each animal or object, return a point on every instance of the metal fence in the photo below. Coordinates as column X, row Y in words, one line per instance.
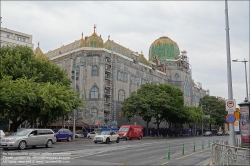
column 225, row 155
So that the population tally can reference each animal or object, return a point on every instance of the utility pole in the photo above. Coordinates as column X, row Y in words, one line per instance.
column 74, row 111
column 229, row 76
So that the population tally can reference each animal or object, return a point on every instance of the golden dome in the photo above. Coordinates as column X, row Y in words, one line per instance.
column 94, row 40
column 38, row 52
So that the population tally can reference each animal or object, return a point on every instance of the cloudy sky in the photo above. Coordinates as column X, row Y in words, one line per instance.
column 196, row 26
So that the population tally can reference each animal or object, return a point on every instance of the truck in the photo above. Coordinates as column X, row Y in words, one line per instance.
column 130, row 132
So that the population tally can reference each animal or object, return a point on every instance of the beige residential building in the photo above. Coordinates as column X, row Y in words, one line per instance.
column 13, row 38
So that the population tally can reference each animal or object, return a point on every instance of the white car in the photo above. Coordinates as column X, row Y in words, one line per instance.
column 106, row 137
column 2, row 134
column 79, row 135
column 91, row 134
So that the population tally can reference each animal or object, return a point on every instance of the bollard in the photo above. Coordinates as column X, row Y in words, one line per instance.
column 182, row 149
column 169, row 153
column 194, row 146
column 202, row 145
column 209, row 143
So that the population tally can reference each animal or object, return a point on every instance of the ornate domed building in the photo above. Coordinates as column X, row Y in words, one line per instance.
column 164, row 48
column 109, row 72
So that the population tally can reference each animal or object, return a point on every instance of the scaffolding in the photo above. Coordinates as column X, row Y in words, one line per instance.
column 108, row 90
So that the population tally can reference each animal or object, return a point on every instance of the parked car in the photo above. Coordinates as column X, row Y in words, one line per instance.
column 106, row 137
column 2, row 134
column 29, row 137
column 92, row 134
column 130, row 131
column 208, row 133
column 227, row 133
column 79, row 135
column 220, row 133
column 64, row 134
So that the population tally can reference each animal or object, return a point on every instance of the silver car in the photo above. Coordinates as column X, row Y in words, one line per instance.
column 29, row 137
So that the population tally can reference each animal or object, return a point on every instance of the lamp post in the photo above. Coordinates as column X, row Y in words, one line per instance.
column 245, row 75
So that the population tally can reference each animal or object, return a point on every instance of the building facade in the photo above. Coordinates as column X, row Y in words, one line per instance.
column 15, row 38
column 106, row 73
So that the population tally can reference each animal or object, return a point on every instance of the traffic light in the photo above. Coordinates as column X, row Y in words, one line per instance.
column 237, row 113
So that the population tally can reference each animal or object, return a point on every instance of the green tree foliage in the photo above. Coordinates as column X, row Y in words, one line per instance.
column 215, row 108
column 33, row 88
column 192, row 115
column 157, row 102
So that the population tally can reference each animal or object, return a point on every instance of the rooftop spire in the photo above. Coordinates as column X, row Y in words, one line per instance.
column 108, row 37
column 38, row 44
column 82, row 35
column 94, row 27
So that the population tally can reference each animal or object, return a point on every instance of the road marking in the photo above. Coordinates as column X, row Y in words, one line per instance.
column 191, row 154
column 105, row 154
column 164, row 163
column 150, row 157
column 140, row 149
column 124, row 163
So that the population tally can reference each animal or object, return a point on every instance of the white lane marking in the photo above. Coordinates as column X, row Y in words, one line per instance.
column 140, row 149
column 105, row 154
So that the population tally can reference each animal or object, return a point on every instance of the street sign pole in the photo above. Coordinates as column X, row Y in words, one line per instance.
column 229, row 75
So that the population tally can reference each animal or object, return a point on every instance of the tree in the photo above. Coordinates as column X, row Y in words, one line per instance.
column 32, row 88
column 192, row 115
column 154, row 101
column 216, row 109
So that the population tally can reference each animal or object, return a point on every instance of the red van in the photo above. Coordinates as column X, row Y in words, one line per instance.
column 130, row 131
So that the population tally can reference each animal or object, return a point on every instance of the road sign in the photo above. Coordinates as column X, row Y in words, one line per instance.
column 230, row 118
column 237, row 114
column 230, row 105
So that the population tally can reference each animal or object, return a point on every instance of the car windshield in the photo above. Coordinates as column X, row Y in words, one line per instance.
column 105, row 133
column 21, row 133
column 123, row 129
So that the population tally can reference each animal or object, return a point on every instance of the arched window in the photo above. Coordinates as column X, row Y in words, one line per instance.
column 95, row 71
column 121, row 95
column 94, row 93
column 186, row 87
column 94, row 113
column 124, row 77
column 119, row 75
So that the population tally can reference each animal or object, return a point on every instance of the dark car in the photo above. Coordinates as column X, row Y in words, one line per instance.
column 220, row 133
column 208, row 133
column 64, row 134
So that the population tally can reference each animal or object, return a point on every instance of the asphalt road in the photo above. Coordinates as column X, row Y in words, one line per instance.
column 150, row 151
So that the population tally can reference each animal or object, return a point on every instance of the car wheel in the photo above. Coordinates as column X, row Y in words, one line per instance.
column 126, row 138
column 49, row 144
column 95, row 142
column 139, row 138
column 69, row 139
column 107, row 141
column 117, row 140
column 89, row 137
column 22, row 145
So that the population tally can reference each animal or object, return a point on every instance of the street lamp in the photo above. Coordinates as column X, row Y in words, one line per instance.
column 245, row 75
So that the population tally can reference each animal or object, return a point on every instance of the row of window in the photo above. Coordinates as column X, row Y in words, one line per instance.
column 94, row 94
column 122, row 76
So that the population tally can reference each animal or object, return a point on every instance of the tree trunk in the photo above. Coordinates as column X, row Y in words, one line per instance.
column 15, row 124
column 158, row 124
column 147, row 127
column 210, row 127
